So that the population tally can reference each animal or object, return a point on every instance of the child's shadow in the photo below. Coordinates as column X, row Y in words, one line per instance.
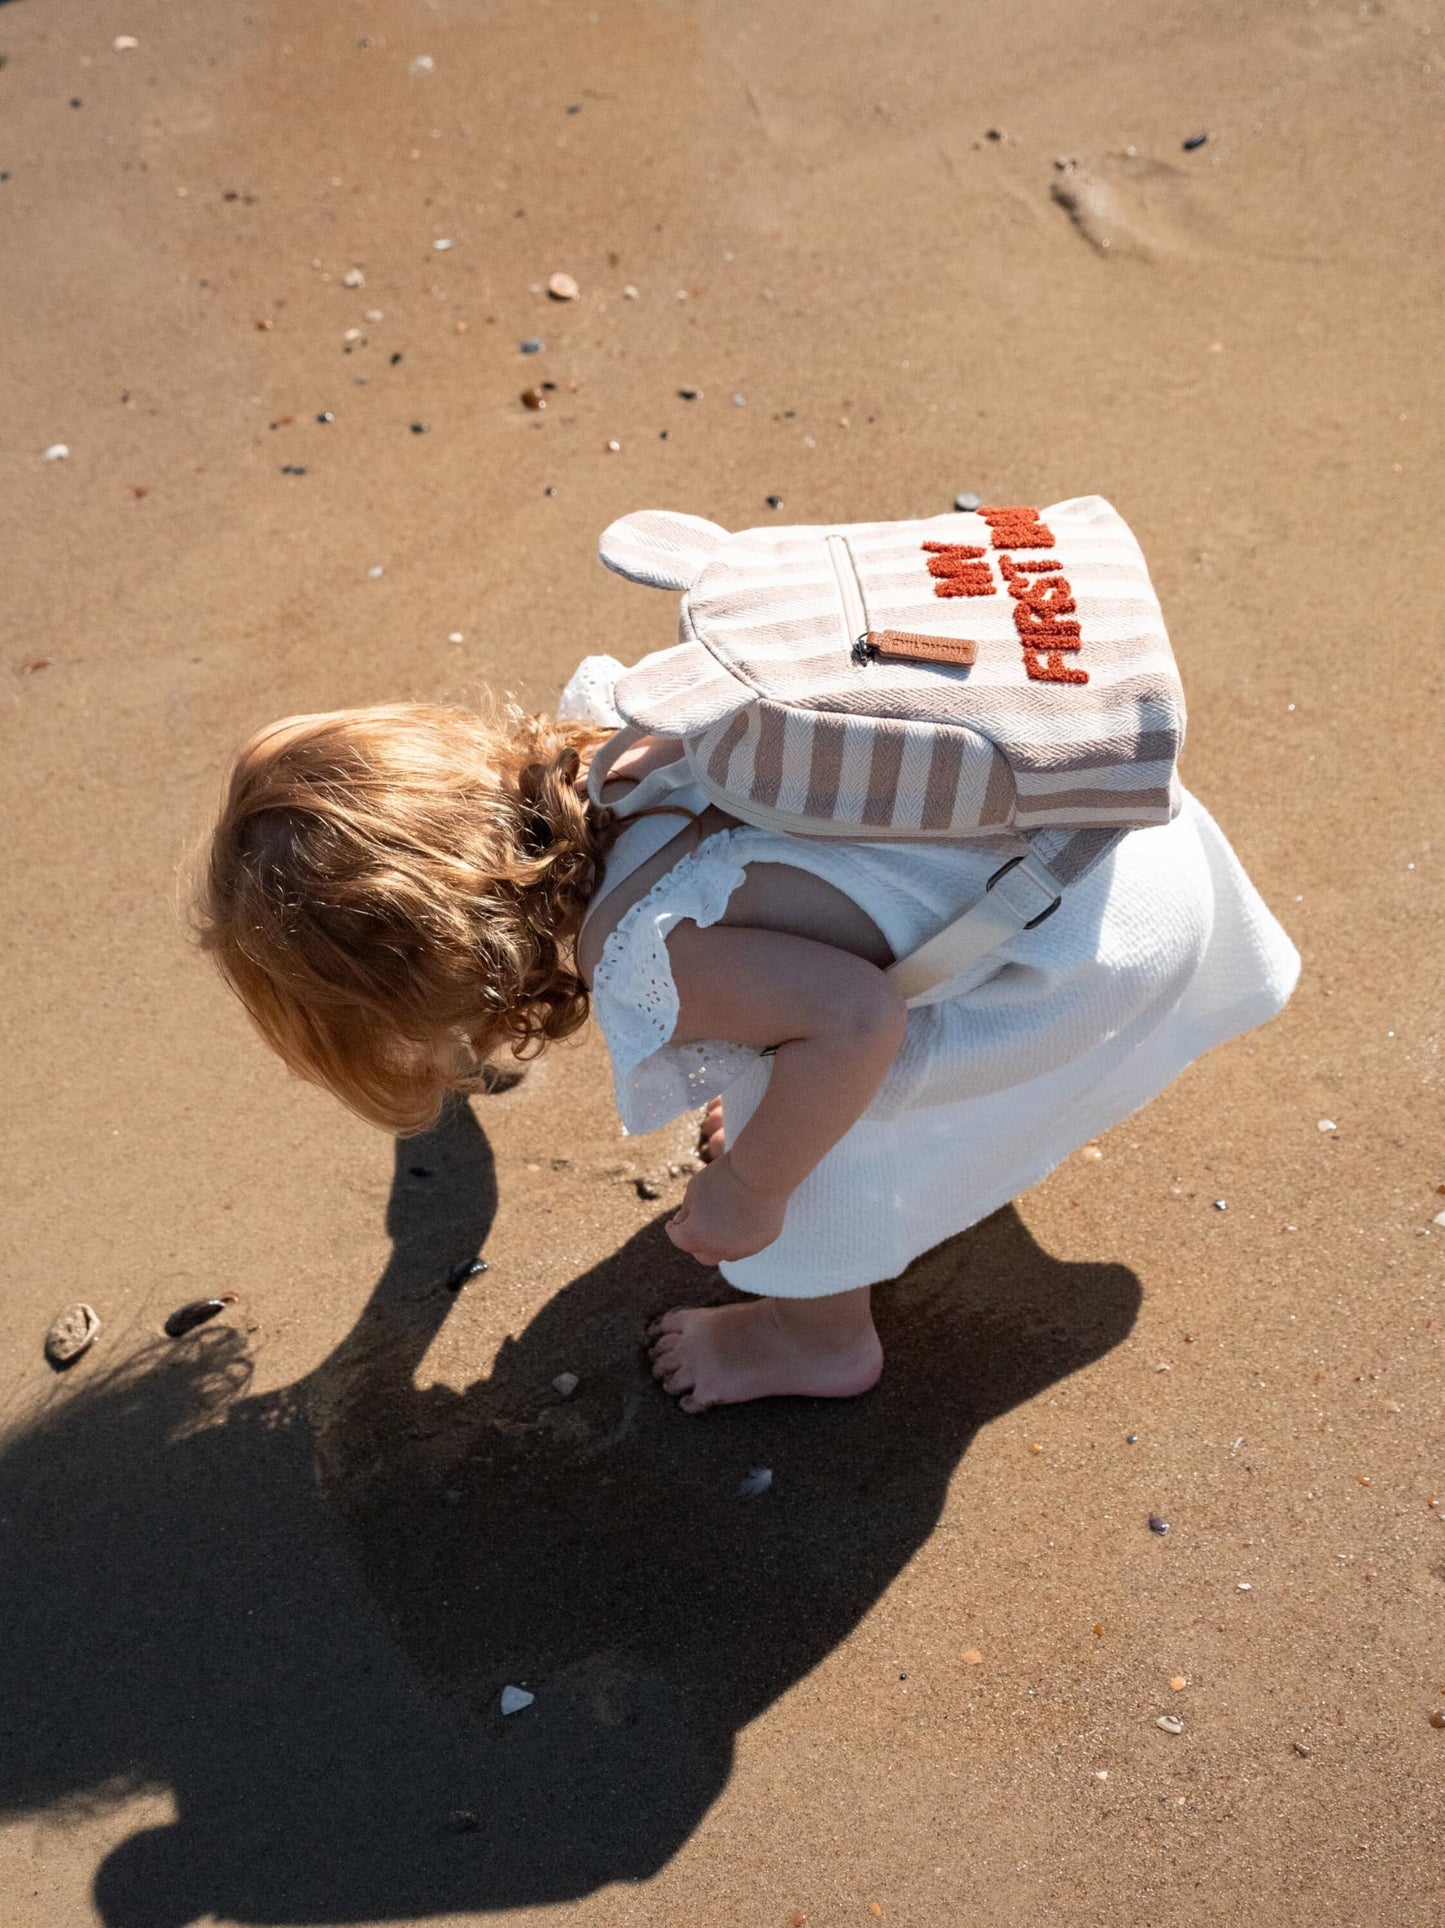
column 181, row 1613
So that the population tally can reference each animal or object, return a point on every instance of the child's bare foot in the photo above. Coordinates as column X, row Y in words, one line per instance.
column 721, row 1355
column 710, row 1133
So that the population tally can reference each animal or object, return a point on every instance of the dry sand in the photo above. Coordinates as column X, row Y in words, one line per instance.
column 233, row 1691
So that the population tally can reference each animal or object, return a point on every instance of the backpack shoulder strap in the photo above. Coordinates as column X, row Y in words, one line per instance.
column 1019, row 896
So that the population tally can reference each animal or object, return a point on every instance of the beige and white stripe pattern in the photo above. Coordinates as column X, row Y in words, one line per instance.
column 782, row 723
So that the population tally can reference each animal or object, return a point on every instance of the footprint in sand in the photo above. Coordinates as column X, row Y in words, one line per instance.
column 1132, row 206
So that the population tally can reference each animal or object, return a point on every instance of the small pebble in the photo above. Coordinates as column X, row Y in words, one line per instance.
column 1437, row 1719
column 464, row 1820
column 1131, row 1439
column 395, row 357
column 326, row 416
column 423, row 64
column 1158, row 1525
column 57, row 452
column 774, row 501
column 533, row 398
column 690, row 394
column 1195, row 140
column 758, row 1480
column 1092, row 1153
column 376, row 571
column 463, row 1270
column 1327, row 1124
column 514, row 1699
column 375, row 314
column 195, row 1312
column 533, row 345
column 972, row 1657
column 1171, row 1723
column 1302, row 1750
column 562, row 287
column 1221, row 1204
column 565, row 1384
column 353, row 278
column 124, row 42
column 443, row 244
column 629, row 293
column 420, row 428
column 292, row 468
column 71, row 1334
column 1439, row 1219
column 352, row 334
column 1101, row 1773
column 1245, row 1587
column 966, row 502
column 740, row 401
column 1178, row 1683
column 646, row 1189
column 455, row 636
column 614, row 448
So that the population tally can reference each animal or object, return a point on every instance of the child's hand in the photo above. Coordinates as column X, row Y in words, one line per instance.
column 722, row 1218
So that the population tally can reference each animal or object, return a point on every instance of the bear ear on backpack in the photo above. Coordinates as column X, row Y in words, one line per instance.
column 660, row 547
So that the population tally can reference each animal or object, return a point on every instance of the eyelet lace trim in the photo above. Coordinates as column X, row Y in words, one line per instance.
column 635, row 998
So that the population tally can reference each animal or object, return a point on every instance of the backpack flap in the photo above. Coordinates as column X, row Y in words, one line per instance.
column 951, row 678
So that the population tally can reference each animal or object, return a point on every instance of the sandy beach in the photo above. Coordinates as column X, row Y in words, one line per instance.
column 271, row 274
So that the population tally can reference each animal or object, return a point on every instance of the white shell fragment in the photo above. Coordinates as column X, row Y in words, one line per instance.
column 565, row 1384
column 1439, row 1218
column 758, row 1480
column 1171, row 1723
column 124, row 42
column 423, row 64
column 353, row 278
column 443, row 244
column 1327, row 1124
column 57, row 452
column 72, row 1333
column 514, row 1699
column 562, row 287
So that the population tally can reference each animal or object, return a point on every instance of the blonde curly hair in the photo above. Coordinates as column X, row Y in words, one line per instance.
column 393, row 893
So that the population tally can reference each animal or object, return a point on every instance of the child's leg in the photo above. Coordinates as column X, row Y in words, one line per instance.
column 720, row 1355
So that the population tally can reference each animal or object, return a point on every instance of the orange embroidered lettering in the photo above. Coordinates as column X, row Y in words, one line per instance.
column 957, row 571
column 1018, row 528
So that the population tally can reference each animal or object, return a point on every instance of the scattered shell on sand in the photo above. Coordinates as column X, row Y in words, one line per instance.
column 1301, row 1749
column 966, row 502
column 72, row 1333
column 562, row 287
column 1178, row 1683
column 972, row 1657
column 124, row 43
column 1091, row 1152
column 1327, row 1124
column 353, row 278
column 514, row 1699
column 1171, row 1723
column 195, row 1312
column 443, row 244
column 57, row 452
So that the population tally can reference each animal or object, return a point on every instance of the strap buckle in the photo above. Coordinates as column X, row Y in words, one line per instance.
column 1026, row 869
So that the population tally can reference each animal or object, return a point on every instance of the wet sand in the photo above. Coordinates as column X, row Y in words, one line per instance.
column 261, row 1588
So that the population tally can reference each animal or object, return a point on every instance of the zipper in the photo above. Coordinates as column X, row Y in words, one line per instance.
column 850, row 594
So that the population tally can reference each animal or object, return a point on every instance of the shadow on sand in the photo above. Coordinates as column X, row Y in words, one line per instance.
column 312, row 1667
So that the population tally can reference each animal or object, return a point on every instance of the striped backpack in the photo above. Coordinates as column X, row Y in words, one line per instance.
column 1003, row 675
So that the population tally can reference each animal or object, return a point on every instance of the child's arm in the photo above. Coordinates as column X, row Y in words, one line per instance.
column 836, row 1023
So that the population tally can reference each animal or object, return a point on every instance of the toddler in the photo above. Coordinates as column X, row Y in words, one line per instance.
column 396, row 893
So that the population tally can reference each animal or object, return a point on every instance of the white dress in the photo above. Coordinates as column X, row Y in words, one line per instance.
column 1162, row 951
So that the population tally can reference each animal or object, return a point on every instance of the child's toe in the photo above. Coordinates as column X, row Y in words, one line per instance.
column 678, row 1380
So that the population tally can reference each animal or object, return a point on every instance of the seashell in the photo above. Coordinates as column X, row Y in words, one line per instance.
column 72, row 1333
column 195, row 1312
